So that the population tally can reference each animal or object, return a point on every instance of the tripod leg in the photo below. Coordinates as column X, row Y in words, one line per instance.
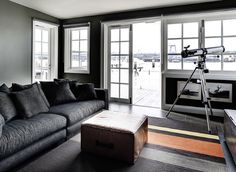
column 206, row 92
column 205, row 97
column 209, row 104
column 207, row 119
column 177, row 98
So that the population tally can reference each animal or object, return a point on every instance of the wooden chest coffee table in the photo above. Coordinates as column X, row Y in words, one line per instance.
column 115, row 135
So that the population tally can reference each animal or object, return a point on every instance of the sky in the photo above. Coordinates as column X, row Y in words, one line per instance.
column 146, row 37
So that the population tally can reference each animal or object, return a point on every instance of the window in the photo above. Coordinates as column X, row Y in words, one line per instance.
column 44, row 51
column 77, row 49
column 180, row 35
column 204, row 33
column 217, row 33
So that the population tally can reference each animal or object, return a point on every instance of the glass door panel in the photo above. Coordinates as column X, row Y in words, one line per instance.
column 42, row 71
column 120, row 60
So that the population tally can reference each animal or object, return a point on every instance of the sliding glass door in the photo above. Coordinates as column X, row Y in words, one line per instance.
column 120, row 63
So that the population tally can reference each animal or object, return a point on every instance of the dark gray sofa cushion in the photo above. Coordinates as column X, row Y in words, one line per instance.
column 21, row 157
column 2, row 122
column 7, row 107
column 72, row 83
column 19, row 134
column 17, row 87
column 63, row 94
column 4, row 88
column 76, row 111
column 30, row 102
column 85, row 92
column 57, row 92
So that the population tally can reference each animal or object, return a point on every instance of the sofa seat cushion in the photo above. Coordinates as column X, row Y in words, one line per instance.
column 77, row 111
column 18, row 134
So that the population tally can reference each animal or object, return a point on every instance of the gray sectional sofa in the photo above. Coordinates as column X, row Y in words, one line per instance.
column 22, row 139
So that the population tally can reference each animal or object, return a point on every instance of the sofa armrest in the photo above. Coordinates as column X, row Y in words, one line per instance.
column 102, row 94
column 2, row 122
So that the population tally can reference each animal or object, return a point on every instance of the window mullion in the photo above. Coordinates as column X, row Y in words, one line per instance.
column 182, row 43
column 202, row 34
column 79, row 49
column 41, row 43
column 222, row 59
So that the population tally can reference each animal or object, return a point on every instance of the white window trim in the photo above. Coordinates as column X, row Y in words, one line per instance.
column 68, row 52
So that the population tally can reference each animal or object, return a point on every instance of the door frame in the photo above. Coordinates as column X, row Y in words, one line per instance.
column 52, row 29
column 104, row 80
column 49, row 49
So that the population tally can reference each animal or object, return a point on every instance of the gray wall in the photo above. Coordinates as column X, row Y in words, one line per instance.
column 15, row 41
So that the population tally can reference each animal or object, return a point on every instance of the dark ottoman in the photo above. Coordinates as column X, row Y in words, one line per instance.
column 115, row 135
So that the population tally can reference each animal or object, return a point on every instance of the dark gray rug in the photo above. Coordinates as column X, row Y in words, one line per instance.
column 154, row 157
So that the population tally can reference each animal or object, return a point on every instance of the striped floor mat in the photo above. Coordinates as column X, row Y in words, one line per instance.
column 185, row 145
column 172, row 146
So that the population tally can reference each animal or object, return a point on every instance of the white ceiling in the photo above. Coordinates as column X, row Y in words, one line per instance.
column 64, row 9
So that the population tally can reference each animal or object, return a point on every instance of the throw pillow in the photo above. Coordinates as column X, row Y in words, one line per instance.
column 57, row 92
column 49, row 89
column 72, row 83
column 63, row 94
column 2, row 122
column 30, row 102
column 85, row 92
column 7, row 107
column 18, row 87
column 4, row 88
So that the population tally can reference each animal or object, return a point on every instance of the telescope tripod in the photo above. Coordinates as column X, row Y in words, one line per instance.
column 205, row 96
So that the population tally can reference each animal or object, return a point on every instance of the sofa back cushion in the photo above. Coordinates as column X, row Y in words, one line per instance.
column 18, row 87
column 85, row 92
column 30, row 102
column 58, row 92
column 7, row 107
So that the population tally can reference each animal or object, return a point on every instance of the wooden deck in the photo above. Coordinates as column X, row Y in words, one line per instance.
column 150, row 98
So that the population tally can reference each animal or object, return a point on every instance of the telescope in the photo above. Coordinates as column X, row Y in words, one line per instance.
column 201, row 51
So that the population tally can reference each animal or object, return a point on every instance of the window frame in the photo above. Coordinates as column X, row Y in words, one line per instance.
column 182, row 38
column 68, row 49
column 193, row 18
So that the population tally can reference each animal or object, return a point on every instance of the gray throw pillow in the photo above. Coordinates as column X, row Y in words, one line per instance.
column 72, row 83
column 63, row 94
column 19, row 87
column 85, row 92
column 4, row 88
column 57, row 92
column 7, row 107
column 30, row 102
column 2, row 122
